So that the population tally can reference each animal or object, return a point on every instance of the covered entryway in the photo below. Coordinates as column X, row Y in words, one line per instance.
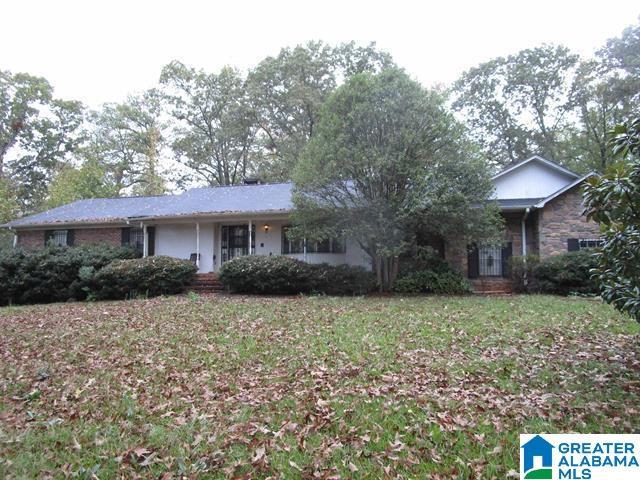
column 235, row 242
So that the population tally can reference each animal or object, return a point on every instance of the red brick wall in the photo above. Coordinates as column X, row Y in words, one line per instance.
column 562, row 219
column 31, row 239
column 86, row 236
column 83, row 236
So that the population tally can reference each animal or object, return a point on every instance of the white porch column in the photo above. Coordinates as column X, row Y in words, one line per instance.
column 250, row 229
column 15, row 239
column 198, row 245
column 145, row 242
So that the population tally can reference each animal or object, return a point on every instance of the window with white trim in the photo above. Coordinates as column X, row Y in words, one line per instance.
column 329, row 245
column 59, row 238
column 136, row 238
column 585, row 243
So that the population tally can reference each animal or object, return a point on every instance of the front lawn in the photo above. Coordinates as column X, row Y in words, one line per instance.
column 307, row 387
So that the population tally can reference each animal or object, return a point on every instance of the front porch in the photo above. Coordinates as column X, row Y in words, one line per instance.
column 210, row 242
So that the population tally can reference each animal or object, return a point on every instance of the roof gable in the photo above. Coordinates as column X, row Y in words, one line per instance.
column 535, row 177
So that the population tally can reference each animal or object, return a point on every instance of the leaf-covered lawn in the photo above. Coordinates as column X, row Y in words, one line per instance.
column 306, row 387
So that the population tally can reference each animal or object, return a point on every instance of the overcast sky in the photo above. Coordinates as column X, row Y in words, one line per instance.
column 101, row 50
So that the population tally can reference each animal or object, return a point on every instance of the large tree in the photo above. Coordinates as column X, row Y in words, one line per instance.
column 520, row 104
column 38, row 133
column 126, row 140
column 90, row 180
column 287, row 92
column 387, row 156
column 214, row 133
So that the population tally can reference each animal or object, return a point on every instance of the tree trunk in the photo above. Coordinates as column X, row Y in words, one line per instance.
column 386, row 269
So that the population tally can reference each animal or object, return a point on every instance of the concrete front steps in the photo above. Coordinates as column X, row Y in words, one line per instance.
column 492, row 286
column 206, row 283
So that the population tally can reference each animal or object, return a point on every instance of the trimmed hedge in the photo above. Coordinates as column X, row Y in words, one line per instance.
column 564, row 274
column 342, row 280
column 148, row 277
column 568, row 273
column 53, row 274
column 280, row 275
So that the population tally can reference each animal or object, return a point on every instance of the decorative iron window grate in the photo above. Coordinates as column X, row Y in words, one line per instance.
column 585, row 243
column 490, row 261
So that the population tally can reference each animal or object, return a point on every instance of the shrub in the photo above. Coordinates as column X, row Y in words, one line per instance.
column 342, row 279
column 425, row 258
column 565, row 274
column 148, row 276
column 427, row 281
column 53, row 274
column 282, row 275
column 427, row 272
column 521, row 273
column 266, row 275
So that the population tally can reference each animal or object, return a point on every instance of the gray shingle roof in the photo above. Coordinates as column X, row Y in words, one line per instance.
column 198, row 201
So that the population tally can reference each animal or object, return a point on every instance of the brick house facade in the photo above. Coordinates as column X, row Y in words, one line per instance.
column 560, row 220
column 31, row 239
column 540, row 202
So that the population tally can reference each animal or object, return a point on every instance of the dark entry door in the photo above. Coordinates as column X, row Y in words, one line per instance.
column 235, row 241
column 489, row 261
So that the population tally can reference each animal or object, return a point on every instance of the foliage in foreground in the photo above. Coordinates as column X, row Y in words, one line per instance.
column 388, row 156
column 53, row 274
column 426, row 272
column 564, row 274
column 280, row 275
column 149, row 277
column 613, row 200
column 307, row 387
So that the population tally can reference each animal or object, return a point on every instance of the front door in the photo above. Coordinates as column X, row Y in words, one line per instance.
column 235, row 241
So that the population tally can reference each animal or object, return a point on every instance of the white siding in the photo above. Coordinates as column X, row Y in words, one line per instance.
column 533, row 180
column 179, row 241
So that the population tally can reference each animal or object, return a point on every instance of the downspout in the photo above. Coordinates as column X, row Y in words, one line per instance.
column 198, row 245
column 15, row 237
column 145, row 244
column 524, row 231
column 524, row 244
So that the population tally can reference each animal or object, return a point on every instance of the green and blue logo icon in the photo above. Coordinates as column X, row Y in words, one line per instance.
column 537, row 459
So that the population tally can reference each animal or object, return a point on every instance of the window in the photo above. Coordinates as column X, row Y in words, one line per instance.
column 289, row 245
column 575, row 244
column 585, row 243
column 329, row 245
column 59, row 238
column 136, row 238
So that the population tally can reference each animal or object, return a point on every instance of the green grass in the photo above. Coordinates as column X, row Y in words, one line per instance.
column 292, row 387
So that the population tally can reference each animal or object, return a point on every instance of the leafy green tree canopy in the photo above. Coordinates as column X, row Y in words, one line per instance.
column 387, row 155
column 287, row 92
column 37, row 134
column 214, row 134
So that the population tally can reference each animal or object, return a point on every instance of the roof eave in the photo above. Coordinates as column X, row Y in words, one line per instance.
column 539, row 159
column 564, row 189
